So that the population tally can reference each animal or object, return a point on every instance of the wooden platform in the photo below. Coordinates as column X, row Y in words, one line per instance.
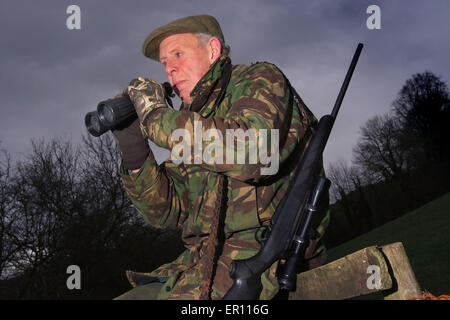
column 373, row 269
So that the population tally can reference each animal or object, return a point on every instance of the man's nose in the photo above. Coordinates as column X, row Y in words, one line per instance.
column 170, row 68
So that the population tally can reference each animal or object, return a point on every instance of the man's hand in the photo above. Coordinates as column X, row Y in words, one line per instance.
column 146, row 95
column 133, row 145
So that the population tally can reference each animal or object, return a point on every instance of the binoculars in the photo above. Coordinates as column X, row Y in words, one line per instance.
column 115, row 113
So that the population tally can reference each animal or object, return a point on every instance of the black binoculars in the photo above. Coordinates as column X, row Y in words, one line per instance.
column 115, row 113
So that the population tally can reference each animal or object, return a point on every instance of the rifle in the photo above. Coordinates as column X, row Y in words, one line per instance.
column 288, row 233
column 114, row 113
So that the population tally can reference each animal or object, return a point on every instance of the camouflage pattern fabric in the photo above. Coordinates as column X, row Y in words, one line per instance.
column 184, row 195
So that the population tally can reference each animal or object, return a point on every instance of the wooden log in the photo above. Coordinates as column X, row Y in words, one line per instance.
column 344, row 278
column 405, row 285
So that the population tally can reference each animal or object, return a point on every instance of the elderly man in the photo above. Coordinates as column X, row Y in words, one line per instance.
column 221, row 206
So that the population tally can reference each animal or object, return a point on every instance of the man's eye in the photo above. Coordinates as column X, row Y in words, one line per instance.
column 178, row 54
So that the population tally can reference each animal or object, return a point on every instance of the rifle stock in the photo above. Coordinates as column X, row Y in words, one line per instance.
column 288, row 215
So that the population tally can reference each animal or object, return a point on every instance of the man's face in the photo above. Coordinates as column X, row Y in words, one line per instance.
column 185, row 61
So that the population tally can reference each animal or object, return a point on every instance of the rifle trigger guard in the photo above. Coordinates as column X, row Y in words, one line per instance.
column 262, row 235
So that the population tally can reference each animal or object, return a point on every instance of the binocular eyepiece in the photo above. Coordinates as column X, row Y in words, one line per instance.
column 115, row 113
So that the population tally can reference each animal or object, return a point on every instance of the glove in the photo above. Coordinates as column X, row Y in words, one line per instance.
column 133, row 145
column 146, row 95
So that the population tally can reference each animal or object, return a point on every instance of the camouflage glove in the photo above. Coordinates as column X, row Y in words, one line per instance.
column 133, row 145
column 146, row 95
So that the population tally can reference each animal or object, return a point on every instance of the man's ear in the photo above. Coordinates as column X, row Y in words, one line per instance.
column 215, row 49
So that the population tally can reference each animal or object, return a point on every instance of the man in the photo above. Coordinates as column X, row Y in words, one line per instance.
column 221, row 206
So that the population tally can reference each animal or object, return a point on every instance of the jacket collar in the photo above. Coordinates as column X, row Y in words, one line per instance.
column 208, row 86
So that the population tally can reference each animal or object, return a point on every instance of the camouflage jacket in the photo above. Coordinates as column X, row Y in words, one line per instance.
column 185, row 195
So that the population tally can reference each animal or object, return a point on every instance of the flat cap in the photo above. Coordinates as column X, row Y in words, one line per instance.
column 192, row 24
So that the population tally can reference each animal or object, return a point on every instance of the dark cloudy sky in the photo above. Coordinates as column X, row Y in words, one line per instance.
column 51, row 76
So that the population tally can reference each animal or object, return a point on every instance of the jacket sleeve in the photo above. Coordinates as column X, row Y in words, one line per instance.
column 260, row 102
column 158, row 193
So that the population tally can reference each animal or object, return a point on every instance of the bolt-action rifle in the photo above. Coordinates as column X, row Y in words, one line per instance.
column 288, row 234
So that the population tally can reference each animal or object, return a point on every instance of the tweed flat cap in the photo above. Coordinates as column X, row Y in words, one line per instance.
column 192, row 24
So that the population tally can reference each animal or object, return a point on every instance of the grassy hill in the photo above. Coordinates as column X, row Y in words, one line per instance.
column 425, row 234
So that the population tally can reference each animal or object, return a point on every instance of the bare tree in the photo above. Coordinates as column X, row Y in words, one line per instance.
column 42, row 189
column 65, row 205
column 339, row 174
column 420, row 102
column 349, row 188
column 380, row 151
column 422, row 108
column 8, row 245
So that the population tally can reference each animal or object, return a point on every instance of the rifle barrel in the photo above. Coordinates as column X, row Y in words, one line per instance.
column 344, row 86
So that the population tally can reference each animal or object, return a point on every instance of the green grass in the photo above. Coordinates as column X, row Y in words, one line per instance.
column 425, row 234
